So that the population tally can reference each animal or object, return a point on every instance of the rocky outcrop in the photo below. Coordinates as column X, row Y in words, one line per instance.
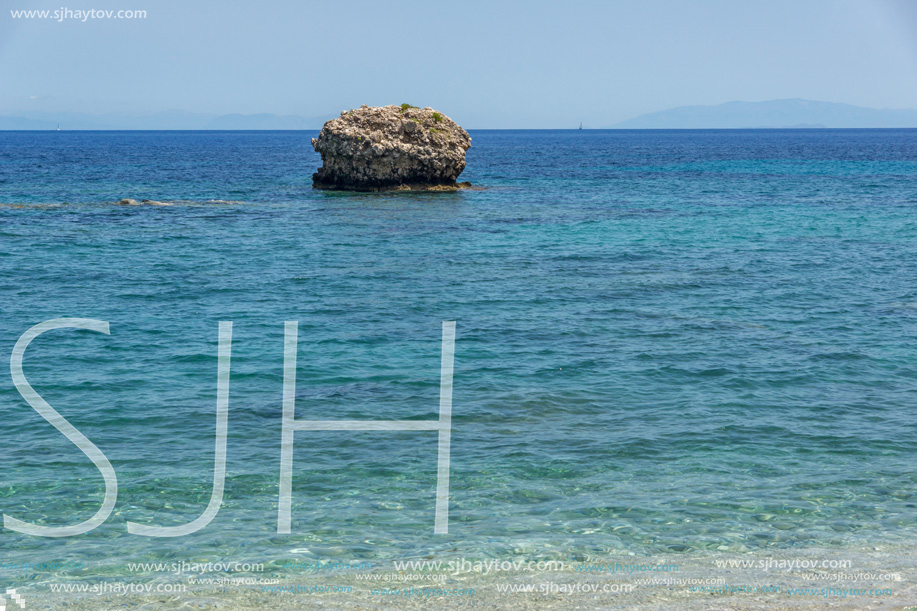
column 391, row 148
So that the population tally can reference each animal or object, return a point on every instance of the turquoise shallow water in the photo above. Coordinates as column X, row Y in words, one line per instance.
column 666, row 342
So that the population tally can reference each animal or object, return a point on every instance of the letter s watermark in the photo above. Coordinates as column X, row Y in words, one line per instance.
column 50, row 414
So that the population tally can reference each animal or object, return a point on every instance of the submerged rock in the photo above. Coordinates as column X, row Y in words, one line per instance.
column 153, row 202
column 391, row 148
column 146, row 202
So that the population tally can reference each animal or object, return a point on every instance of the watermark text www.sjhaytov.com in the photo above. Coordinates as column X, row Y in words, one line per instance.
column 66, row 14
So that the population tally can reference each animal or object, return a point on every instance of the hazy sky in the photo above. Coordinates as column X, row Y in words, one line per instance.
column 487, row 63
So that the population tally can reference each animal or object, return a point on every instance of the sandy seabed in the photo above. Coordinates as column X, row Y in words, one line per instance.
column 878, row 577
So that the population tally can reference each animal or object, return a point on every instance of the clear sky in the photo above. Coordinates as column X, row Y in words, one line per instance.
column 488, row 64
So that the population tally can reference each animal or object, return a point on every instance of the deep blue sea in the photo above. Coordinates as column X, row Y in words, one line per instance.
column 667, row 342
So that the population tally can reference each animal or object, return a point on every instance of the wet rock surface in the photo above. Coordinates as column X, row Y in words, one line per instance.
column 385, row 148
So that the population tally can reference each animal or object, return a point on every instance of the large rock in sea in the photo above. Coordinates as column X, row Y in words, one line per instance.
column 383, row 148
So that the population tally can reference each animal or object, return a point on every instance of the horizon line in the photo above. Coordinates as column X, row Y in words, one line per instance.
column 495, row 129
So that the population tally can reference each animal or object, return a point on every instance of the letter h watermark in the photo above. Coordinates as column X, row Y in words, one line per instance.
column 291, row 425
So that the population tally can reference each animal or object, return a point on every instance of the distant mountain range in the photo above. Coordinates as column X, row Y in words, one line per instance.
column 172, row 119
column 795, row 113
column 773, row 114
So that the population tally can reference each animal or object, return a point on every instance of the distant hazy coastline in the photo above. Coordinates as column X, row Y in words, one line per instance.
column 794, row 113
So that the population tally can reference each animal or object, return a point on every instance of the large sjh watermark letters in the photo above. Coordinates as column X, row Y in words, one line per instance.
column 290, row 425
